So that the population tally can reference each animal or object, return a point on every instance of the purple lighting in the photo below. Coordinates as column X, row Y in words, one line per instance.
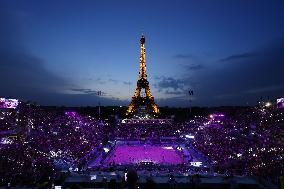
column 280, row 103
column 70, row 113
column 220, row 115
column 145, row 153
column 9, row 103
column 217, row 116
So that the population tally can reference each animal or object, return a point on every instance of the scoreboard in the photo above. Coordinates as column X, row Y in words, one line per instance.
column 280, row 103
column 8, row 103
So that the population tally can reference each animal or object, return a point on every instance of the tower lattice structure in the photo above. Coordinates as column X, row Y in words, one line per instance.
column 146, row 101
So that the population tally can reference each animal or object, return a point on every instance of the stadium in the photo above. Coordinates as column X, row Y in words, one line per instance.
column 58, row 147
column 53, row 146
column 82, row 106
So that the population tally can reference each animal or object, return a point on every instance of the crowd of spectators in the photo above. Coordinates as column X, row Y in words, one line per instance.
column 136, row 130
column 38, row 143
column 247, row 142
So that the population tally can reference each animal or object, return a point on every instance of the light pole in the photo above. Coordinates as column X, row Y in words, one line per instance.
column 99, row 94
column 190, row 94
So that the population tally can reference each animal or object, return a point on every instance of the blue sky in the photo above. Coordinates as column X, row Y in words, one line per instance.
column 62, row 52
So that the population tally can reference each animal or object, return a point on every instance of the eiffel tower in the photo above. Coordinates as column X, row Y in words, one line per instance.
column 142, row 104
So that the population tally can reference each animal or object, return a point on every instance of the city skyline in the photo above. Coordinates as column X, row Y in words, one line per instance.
column 64, row 52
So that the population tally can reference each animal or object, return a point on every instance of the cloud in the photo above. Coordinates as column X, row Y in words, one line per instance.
column 127, row 83
column 116, row 81
column 189, row 62
column 257, row 73
column 23, row 70
column 99, row 81
column 169, row 83
column 23, row 75
column 183, row 56
column 194, row 67
column 76, row 100
column 88, row 91
column 113, row 80
column 237, row 57
column 170, row 88
column 168, row 92
column 102, row 81
column 265, row 89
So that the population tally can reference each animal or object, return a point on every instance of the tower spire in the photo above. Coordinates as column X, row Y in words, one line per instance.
column 142, row 72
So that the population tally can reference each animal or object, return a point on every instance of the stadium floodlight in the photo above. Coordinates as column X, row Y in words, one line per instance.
column 93, row 177
column 6, row 141
column 168, row 147
column 267, row 104
column 106, row 150
column 196, row 164
column 189, row 136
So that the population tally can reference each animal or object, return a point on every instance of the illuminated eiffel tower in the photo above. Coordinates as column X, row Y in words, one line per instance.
column 142, row 104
